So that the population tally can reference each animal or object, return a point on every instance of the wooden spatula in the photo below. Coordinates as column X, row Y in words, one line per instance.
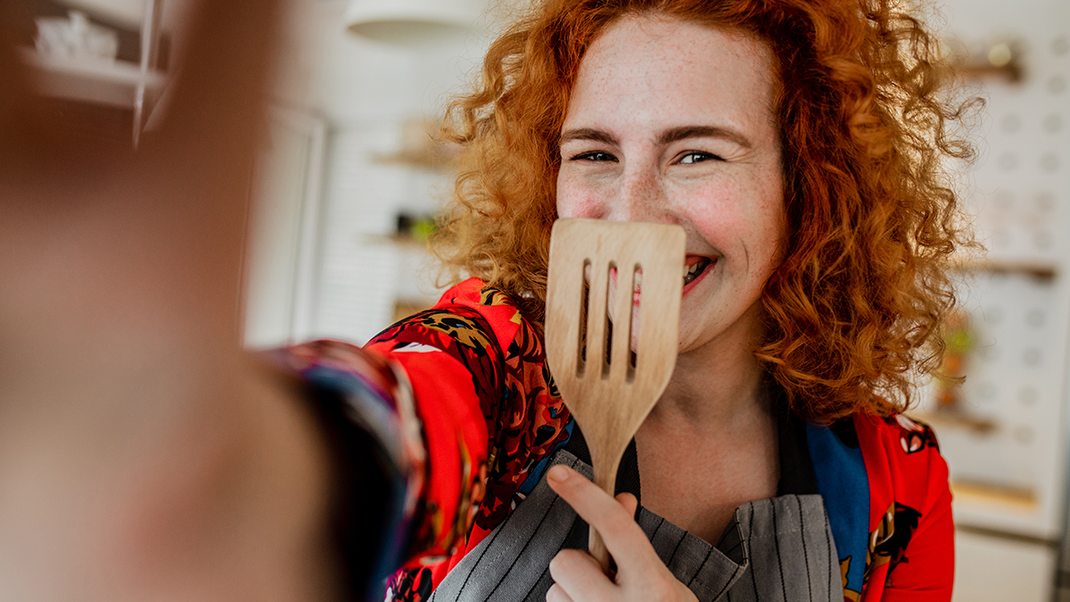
column 589, row 346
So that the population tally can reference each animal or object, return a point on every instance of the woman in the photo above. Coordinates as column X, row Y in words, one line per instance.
column 798, row 144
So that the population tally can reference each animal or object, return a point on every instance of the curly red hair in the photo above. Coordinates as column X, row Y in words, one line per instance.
column 854, row 307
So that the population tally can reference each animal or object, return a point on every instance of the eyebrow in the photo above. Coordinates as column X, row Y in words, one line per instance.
column 704, row 131
column 666, row 137
column 587, row 134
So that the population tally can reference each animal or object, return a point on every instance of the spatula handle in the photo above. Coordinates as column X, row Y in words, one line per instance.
column 606, row 478
column 598, row 549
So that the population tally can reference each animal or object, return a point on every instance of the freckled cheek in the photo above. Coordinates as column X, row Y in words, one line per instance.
column 773, row 221
column 766, row 227
column 780, row 231
column 720, row 208
column 578, row 201
column 579, row 207
column 734, row 215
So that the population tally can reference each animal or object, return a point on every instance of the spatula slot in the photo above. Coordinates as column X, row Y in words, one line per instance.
column 627, row 281
column 633, row 323
column 605, row 341
column 584, row 311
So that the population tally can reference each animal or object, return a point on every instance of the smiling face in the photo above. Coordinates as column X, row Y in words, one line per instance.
column 672, row 122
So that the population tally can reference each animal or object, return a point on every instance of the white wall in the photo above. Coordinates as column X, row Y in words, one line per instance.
column 365, row 91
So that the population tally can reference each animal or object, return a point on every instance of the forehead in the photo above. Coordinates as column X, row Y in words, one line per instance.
column 663, row 68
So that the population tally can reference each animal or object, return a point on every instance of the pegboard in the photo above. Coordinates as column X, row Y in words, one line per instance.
column 1008, row 398
column 1006, row 441
column 1020, row 193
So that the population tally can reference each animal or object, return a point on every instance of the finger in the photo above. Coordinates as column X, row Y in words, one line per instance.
column 556, row 593
column 220, row 93
column 629, row 502
column 206, row 147
column 580, row 577
column 623, row 538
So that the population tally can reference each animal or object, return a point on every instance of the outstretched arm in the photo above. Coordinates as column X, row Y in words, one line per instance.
column 143, row 454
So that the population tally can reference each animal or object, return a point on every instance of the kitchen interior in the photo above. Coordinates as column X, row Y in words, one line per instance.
column 350, row 181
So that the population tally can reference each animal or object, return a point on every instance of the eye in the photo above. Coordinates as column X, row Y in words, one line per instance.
column 594, row 156
column 691, row 157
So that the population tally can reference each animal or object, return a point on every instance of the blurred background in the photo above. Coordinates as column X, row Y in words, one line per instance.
column 350, row 181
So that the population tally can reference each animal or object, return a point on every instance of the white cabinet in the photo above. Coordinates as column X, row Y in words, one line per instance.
column 997, row 569
column 282, row 248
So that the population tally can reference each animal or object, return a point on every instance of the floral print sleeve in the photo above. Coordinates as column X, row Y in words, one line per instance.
column 489, row 412
column 463, row 392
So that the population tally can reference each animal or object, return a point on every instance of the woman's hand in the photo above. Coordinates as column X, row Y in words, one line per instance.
column 641, row 576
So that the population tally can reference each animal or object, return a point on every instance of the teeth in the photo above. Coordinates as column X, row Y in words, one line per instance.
column 691, row 272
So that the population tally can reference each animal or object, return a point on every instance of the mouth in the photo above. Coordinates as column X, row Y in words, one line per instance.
column 695, row 266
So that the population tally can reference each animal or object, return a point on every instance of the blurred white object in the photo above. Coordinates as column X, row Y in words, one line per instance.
column 411, row 22
column 75, row 37
column 127, row 13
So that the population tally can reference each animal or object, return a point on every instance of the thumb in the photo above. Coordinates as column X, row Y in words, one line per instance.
column 629, row 502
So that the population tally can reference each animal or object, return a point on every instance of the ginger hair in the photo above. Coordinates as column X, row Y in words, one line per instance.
column 852, row 312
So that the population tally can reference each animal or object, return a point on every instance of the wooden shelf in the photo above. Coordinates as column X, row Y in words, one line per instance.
column 1038, row 268
column 970, row 421
column 993, row 495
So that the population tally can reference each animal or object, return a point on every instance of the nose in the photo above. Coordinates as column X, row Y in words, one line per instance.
column 640, row 197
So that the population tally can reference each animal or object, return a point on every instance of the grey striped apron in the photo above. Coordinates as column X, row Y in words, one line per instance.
column 779, row 549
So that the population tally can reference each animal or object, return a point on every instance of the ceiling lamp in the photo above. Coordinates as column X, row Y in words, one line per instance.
column 413, row 22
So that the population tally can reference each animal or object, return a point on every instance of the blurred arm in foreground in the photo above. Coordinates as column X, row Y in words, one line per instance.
column 143, row 454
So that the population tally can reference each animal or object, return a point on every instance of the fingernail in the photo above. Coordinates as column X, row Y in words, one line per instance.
column 557, row 473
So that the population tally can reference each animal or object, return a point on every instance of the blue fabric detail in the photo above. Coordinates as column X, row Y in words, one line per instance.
column 536, row 471
column 844, row 485
column 367, row 407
